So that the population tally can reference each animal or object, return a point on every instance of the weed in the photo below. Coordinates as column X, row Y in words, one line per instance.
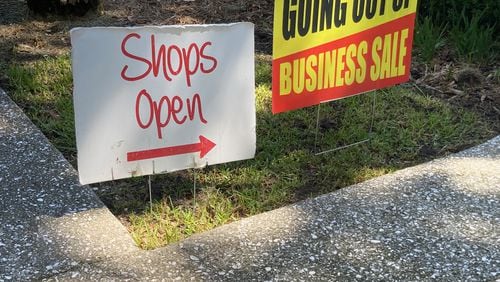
column 496, row 75
column 429, row 38
column 446, row 11
column 473, row 42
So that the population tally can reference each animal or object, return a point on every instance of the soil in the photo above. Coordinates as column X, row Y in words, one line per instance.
column 462, row 85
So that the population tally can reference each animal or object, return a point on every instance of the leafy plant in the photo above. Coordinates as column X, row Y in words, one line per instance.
column 473, row 42
column 446, row 11
column 496, row 75
column 429, row 38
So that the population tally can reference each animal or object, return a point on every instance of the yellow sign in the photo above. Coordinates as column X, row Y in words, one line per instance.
column 330, row 49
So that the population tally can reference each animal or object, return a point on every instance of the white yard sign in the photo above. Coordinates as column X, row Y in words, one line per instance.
column 151, row 100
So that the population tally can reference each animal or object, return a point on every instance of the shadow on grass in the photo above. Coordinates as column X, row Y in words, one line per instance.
column 408, row 128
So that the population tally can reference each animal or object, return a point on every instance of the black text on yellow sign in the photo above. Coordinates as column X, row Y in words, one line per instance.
column 329, row 49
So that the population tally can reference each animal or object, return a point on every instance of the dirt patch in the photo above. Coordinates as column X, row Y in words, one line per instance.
column 473, row 87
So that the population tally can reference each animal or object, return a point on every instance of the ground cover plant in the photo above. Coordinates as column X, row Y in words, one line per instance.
column 447, row 106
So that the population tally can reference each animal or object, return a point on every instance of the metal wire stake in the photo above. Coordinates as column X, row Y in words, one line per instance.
column 194, row 190
column 373, row 114
column 317, row 129
column 372, row 122
column 342, row 147
column 150, row 194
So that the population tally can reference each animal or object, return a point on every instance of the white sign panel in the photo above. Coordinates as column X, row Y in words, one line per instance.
column 151, row 100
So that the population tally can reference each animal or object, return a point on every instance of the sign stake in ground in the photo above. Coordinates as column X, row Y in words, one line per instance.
column 150, row 194
column 370, row 131
column 152, row 100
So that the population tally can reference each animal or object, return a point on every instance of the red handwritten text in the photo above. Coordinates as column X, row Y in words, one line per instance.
column 166, row 110
column 170, row 60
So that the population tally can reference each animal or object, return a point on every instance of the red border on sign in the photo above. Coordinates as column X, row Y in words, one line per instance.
column 296, row 101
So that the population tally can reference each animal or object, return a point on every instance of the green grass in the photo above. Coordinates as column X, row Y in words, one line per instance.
column 43, row 89
column 408, row 128
column 169, row 223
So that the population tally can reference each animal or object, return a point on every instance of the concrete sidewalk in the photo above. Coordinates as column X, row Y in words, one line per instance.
column 436, row 221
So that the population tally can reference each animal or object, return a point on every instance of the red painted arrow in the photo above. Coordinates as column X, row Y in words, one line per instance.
column 203, row 147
